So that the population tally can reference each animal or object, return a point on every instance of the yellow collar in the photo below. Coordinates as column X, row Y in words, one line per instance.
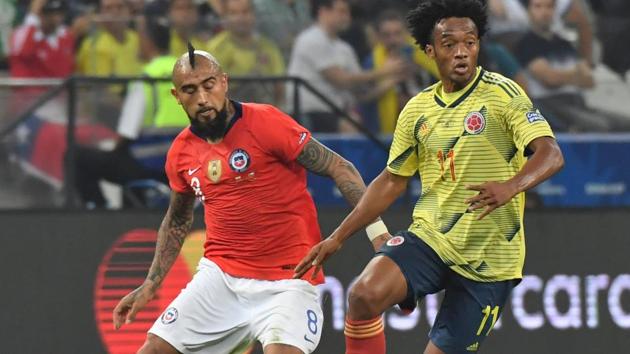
column 449, row 97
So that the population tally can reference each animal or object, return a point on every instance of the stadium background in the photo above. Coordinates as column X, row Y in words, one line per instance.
column 63, row 266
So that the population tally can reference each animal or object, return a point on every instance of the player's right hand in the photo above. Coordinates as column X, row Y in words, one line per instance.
column 133, row 302
column 316, row 257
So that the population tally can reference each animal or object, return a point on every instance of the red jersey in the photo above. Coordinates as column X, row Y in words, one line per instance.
column 260, row 219
column 35, row 55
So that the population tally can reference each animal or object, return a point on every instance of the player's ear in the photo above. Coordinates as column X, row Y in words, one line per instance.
column 430, row 50
column 174, row 93
column 225, row 82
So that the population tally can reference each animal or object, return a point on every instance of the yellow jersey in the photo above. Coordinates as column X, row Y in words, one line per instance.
column 101, row 54
column 261, row 57
column 453, row 140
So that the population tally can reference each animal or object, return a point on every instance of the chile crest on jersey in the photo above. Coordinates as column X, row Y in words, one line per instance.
column 239, row 160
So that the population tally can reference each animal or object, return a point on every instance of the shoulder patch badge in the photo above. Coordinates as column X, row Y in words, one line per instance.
column 534, row 116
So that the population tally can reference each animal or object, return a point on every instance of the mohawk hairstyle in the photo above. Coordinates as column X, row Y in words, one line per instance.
column 191, row 55
column 422, row 19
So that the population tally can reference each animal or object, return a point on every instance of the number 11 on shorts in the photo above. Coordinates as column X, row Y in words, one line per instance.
column 486, row 313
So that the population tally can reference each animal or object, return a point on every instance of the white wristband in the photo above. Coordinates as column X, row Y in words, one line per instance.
column 376, row 229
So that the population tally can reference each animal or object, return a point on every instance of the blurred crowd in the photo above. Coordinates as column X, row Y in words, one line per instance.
column 357, row 53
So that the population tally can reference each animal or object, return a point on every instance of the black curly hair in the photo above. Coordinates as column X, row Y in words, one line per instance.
column 428, row 13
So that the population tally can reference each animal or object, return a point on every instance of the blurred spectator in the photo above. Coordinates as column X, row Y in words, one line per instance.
column 394, row 42
column 282, row 20
column 147, row 105
column 576, row 16
column 495, row 57
column 241, row 51
column 613, row 25
column 7, row 15
column 359, row 34
column 216, row 6
column 331, row 67
column 136, row 7
column 555, row 74
column 42, row 47
column 112, row 48
column 509, row 21
column 184, row 18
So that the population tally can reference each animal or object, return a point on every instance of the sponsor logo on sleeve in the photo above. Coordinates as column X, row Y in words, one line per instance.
column 534, row 116
column 303, row 136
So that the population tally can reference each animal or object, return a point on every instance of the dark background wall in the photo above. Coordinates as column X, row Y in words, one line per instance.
column 575, row 297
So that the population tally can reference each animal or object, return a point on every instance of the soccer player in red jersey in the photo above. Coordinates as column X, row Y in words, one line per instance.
column 247, row 164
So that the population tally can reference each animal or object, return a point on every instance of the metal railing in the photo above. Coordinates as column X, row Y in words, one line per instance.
column 71, row 84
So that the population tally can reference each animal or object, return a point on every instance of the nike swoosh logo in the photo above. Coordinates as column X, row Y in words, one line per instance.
column 191, row 171
column 308, row 340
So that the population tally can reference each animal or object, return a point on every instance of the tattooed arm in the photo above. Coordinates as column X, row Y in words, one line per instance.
column 381, row 193
column 322, row 161
column 171, row 235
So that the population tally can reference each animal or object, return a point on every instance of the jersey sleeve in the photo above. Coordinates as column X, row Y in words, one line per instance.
column 175, row 179
column 403, row 156
column 281, row 135
column 525, row 122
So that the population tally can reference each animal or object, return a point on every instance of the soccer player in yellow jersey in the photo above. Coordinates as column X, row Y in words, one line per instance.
column 478, row 144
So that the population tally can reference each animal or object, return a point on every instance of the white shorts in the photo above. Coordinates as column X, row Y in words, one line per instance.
column 217, row 313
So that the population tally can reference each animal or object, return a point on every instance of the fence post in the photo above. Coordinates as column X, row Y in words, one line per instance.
column 297, row 110
column 70, row 157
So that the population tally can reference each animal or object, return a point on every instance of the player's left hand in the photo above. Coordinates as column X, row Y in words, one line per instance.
column 491, row 195
column 379, row 241
column 128, row 306
column 316, row 257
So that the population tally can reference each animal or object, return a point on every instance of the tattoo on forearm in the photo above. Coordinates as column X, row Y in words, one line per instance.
column 171, row 236
column 320, row 160
column 316, row 157
column 351, row 191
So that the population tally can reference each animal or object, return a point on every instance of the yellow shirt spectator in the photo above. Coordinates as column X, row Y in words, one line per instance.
column 260, row 57
column 102, row 55
column 389, row 104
